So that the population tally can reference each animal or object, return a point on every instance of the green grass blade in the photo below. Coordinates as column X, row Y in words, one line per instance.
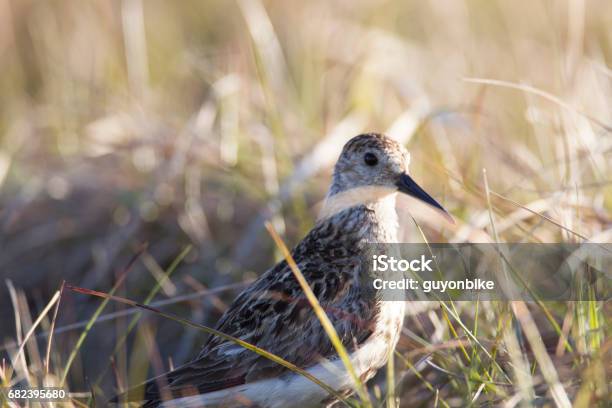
column 152, row 293
column 93, row 318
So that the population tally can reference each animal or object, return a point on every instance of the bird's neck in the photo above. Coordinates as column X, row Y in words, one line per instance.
column 371, row 220
column 384, row 221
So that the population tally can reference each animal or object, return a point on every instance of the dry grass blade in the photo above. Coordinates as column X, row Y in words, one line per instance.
column 391, row 398
column 52, row 328
column 520, row 365
column 166, row 276
column 322, row 316
column 546, row 95
column 209, row 330
column 539, row 350
column 563, row 227
column 39, row 319
column 505, row 264
column 22, row 360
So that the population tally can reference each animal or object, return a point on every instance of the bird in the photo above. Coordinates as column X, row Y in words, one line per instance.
column 273, row 313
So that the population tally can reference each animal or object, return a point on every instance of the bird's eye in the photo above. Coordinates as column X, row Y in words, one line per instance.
column 370, row 159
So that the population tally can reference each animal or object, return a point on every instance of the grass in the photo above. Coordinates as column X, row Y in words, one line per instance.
column 192, row 123
column 482, row 376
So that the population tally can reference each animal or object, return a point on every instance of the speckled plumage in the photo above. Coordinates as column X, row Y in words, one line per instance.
column 274, row 314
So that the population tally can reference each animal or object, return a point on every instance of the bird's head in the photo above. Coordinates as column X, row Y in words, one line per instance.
column 372, row 166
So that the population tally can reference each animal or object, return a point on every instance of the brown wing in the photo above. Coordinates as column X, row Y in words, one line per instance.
column 274, row 315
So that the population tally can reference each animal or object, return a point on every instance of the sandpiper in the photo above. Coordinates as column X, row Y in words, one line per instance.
column 273, row 314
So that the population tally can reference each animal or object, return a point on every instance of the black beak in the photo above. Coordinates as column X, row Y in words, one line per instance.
column 408, row 186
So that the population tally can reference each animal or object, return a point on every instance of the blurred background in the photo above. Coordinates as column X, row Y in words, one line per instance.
column 193, row 122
